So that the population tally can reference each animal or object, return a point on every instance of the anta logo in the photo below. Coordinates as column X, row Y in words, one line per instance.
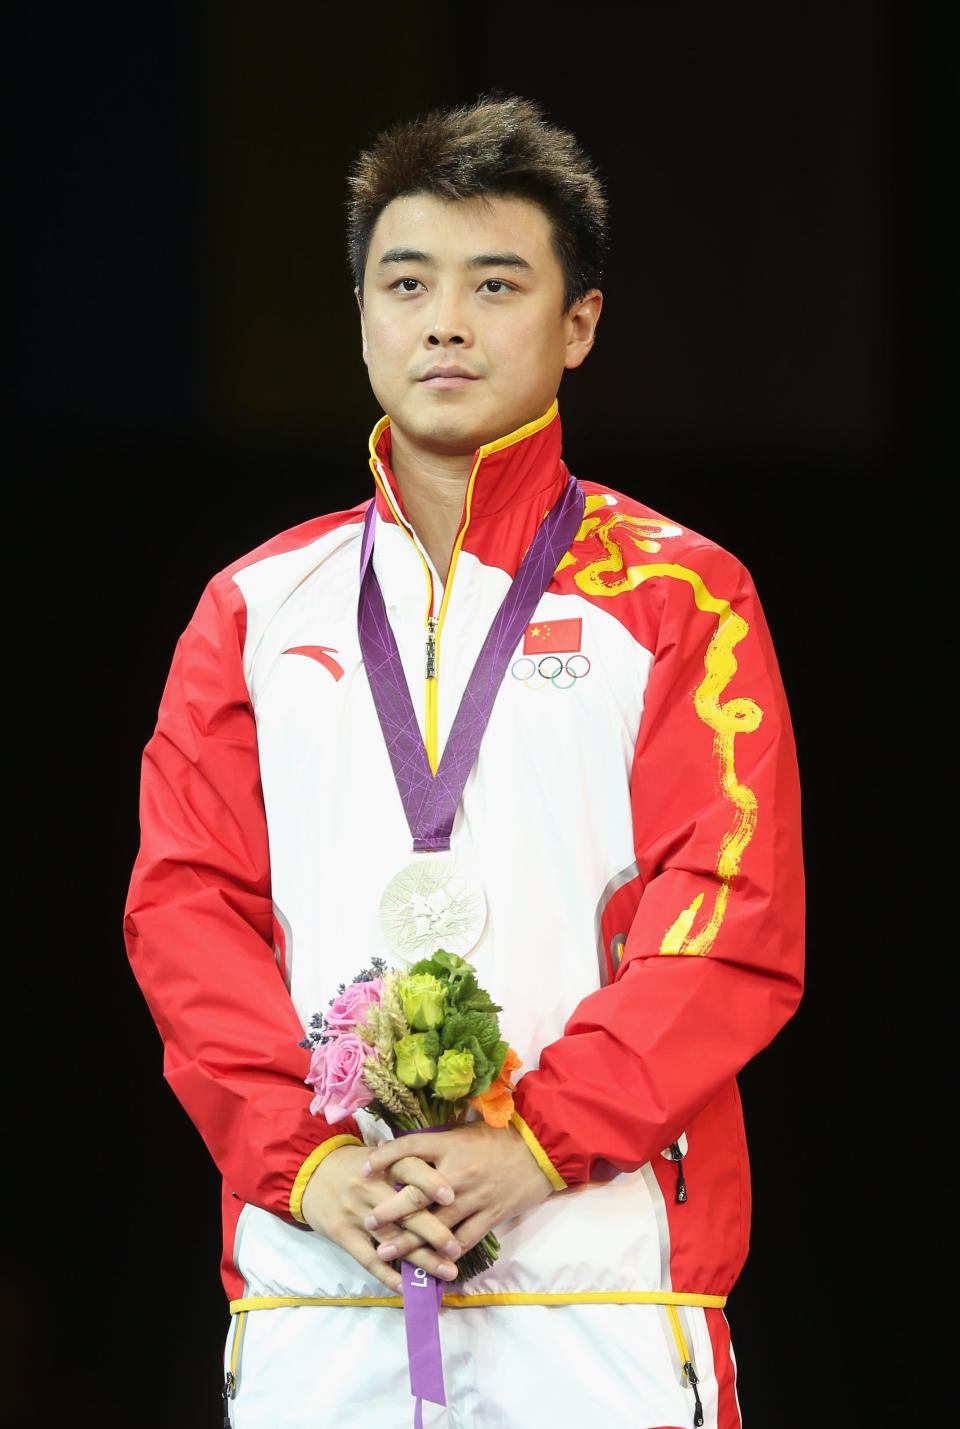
column 322, row 654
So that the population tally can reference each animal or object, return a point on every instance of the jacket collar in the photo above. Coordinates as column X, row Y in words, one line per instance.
column 513, row 483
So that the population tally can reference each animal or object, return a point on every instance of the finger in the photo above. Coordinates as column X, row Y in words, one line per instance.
column 425, row 1228
column 464, row 1234
column 400, row 1205
column 390, row 1234
column 363, row 1250
column 424, row 1147
column 400, row 1244
column 416, row 1172
column 420, row 1255
column 470, row 1232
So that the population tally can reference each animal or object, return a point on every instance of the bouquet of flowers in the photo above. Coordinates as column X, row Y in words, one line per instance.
column 416, row 1048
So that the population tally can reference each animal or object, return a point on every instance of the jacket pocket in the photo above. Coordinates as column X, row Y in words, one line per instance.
column 676, row 1151
column 688, row 1372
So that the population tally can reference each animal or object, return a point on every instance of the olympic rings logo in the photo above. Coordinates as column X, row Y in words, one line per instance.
column 561, row 674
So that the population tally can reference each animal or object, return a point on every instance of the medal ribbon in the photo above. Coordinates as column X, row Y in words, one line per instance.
column 422, row 1294
column 422, row 1297
column 430, row 801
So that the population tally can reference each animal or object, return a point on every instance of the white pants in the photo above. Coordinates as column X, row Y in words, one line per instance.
column 505, row 1367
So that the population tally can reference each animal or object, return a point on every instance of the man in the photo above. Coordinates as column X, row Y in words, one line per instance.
column 631, row 819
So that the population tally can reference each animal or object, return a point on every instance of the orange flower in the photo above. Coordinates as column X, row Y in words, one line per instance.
column 496, row 1105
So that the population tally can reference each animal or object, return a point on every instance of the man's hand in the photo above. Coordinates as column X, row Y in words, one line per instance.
column 493, row 1175
column 339, row 1199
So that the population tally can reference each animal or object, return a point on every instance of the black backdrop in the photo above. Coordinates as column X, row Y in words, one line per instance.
column 772, row 369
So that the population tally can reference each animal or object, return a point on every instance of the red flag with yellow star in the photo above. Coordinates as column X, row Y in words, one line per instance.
column 550, row 637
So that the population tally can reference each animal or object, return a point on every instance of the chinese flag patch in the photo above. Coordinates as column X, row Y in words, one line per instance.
column 550, row 637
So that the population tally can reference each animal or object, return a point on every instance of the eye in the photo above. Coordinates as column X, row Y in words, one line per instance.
column 406, row 285
column 496, row 285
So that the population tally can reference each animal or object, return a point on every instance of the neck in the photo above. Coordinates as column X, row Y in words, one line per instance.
column 433, row 488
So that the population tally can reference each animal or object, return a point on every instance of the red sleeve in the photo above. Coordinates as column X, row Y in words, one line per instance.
column 199, row 920
column 713, row 962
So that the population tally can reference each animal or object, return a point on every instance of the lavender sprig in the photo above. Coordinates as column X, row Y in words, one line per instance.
column 317, row 1033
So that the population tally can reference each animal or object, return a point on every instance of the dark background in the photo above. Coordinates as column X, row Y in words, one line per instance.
column 775, row 359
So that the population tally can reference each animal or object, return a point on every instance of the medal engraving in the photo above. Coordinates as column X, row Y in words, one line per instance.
column 431, row 904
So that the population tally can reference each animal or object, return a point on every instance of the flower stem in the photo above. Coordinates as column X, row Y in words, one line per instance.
column 479, row 1258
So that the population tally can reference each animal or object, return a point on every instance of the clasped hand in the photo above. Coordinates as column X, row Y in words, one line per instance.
column 455, row 1186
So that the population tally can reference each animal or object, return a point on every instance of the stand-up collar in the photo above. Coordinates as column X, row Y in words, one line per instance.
column 513, row 483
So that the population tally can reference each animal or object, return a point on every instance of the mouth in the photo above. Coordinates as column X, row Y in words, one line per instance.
column 447, row 378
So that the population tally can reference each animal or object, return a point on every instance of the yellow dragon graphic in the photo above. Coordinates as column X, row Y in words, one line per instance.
column 610, row 576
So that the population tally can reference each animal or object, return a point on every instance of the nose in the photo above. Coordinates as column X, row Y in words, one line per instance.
column 447, row 326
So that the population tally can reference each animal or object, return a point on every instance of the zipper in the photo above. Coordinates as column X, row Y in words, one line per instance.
column 690, row 1372
column 431, row 737
column 430, row 694
column 228, row 1392
column 435, row 627
column 434, row 623
column 231, row 1382
column 676, row 1151
column 431, row 670
column 686, row 1362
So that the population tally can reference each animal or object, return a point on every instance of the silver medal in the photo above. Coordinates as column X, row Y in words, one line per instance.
column 431, row 904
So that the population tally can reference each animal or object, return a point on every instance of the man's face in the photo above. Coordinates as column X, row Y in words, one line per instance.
column 464, row 331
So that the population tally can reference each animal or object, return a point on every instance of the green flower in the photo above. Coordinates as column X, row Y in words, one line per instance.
column 454, row 1076
column 423, row 997
column 416, row 1056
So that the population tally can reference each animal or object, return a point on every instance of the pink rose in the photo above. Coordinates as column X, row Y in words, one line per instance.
column 317, row 1075
column 351, row 1006
column 336, row 1075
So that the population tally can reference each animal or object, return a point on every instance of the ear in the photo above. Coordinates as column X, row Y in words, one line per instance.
column 363, row 326
column 582, row 319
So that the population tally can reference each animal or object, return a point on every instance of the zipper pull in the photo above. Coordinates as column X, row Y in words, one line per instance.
column 228, row 1392
column 692, row 1380
column 676, row 1155
column 431, row 647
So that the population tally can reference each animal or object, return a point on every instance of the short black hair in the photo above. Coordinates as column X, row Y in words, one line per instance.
column 499, row 146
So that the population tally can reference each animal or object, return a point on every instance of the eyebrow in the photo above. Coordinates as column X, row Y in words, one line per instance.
column 481, row 260
column 403, row 255
column 498, row 260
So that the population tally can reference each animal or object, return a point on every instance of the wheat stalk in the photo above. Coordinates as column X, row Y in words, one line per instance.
column 393, row 1024
column 390, row 1092
column 368, row 1031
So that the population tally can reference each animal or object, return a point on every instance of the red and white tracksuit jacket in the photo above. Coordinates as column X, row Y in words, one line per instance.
column 633, row 816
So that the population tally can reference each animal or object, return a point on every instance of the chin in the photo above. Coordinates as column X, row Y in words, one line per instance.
column 455, row 438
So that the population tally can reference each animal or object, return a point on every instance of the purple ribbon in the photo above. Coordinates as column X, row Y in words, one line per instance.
column 430, row 801
column 422, row 1297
